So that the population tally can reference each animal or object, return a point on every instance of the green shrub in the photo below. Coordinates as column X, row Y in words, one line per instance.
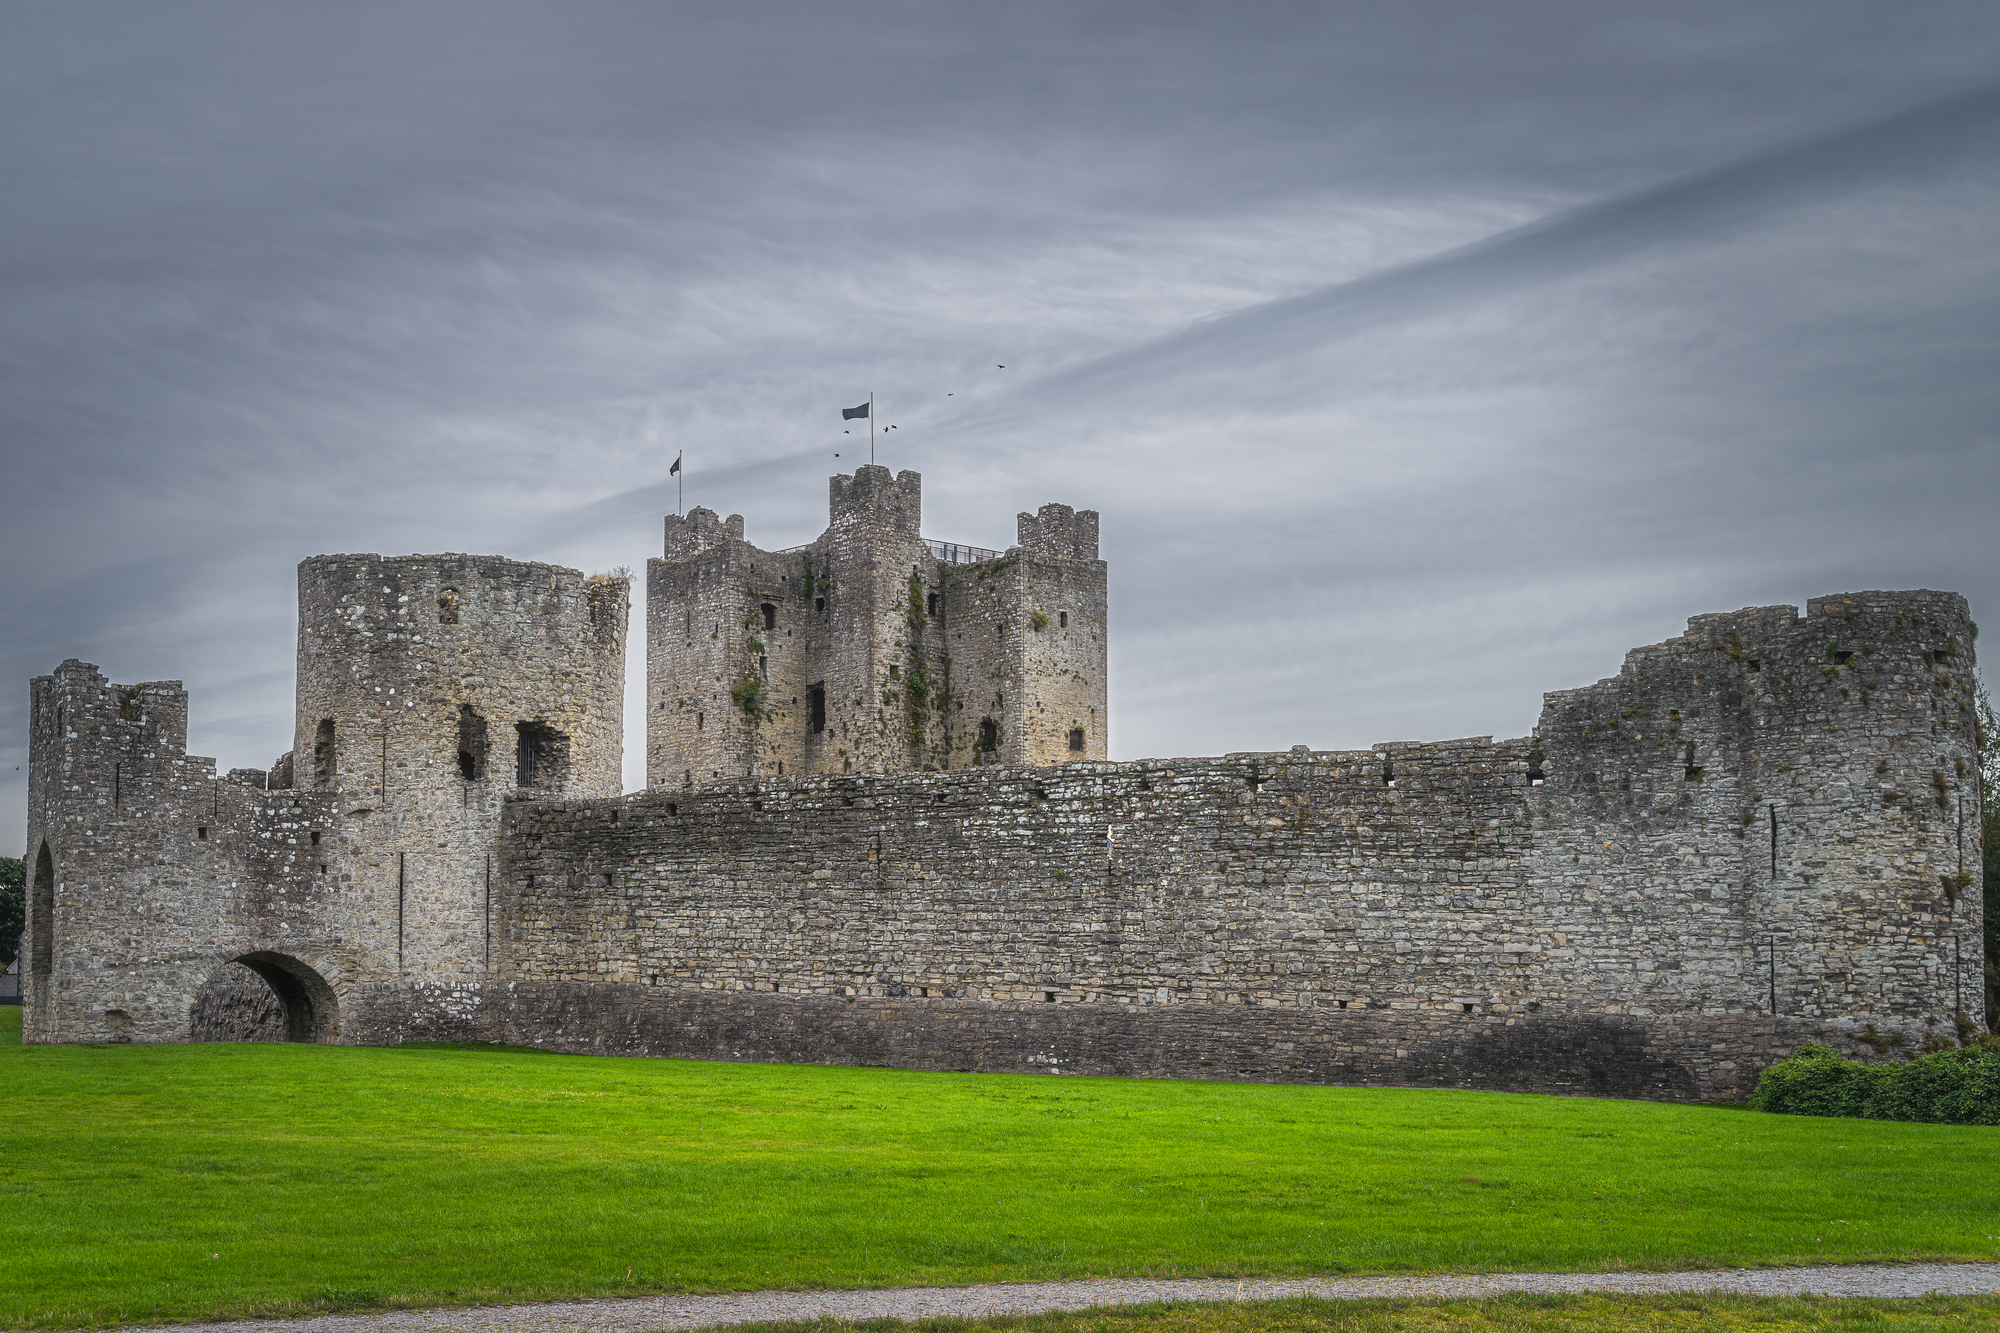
column 1954, row 1087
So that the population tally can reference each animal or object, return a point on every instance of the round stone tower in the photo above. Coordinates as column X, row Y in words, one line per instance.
column 430, row 690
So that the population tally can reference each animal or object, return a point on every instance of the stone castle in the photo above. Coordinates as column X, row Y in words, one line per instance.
column 880, row 828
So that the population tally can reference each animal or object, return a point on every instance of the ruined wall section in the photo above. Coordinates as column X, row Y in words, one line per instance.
column 158, row 873
column 431, row 689
column 1803, row 785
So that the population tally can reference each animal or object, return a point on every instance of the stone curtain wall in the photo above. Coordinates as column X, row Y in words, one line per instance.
column 1762, row 830
column 1585, row 909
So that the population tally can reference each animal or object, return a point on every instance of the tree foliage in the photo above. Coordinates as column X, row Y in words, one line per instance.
column 13, row 906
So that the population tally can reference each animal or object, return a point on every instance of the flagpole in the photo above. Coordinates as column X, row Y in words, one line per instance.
column 679, row 480
column 871, row 428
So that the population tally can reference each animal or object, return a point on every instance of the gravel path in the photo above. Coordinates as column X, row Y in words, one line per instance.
column 645, row 1314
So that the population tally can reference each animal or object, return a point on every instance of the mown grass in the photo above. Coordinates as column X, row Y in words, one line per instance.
column 195, row 1181
column 1500, row 1314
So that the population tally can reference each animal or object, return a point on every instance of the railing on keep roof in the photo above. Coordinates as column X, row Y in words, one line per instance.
column 951, row 553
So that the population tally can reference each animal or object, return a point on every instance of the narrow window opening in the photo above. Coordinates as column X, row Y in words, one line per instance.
column 541, row 755
column 201, row 831
column 672, row 809
column 770, row 615
column 1076, row 739
column 471, row 744
column 326, row 758
column 1694, row 771
column 989, row 736
column 1388, row 772
column 697, row 721
column 1755, row 665
column 816, row 704
column 1062, row 619
column 1537, row 773
column 1839, row 656
column 1774, row 844
column 895, row 672
column 819, row 603
column 315, row 837
column 931, row 604
column 1343, row 1004
column 1048, row 997
column 1466, row 1008
column 448, row 607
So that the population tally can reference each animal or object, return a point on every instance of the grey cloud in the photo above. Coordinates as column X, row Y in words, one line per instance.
column 1378, row 454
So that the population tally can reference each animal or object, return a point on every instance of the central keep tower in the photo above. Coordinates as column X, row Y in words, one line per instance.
column 873, row 649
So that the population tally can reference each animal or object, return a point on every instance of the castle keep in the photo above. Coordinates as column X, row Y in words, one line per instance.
column 872, row 649
column 880, row 828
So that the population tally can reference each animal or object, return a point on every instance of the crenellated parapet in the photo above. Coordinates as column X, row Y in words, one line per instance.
column 1057, row 532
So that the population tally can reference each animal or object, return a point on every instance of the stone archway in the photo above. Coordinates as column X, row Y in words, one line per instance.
column 265, row 996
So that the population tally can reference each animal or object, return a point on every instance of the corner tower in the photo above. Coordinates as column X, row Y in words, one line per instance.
column 430, row 690
column 873, row 649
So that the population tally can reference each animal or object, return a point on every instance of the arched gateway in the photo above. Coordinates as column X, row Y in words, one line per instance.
column 265, row 996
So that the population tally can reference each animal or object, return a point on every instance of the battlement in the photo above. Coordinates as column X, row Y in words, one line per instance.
column 1057, row 532
column 699, row 531
column 872, row 497
column 77, row 702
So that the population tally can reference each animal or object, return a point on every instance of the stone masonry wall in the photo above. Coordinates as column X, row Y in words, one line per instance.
column 416, row 676
column 1597, row 888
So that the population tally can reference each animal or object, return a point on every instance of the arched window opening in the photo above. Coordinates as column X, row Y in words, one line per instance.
column 42, row 917
column 770, row 615
column 1076, row 739
column 541, row 755
column 448, row 607
column 989, row 736
column 471, row 744
column 326, row 757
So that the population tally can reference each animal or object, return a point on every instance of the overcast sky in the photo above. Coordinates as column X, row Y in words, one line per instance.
column 1419, row 357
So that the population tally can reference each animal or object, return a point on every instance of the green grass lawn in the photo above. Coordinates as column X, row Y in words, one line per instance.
column 175, row 1181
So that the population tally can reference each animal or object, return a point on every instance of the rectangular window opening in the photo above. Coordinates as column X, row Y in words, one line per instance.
column 816, row 707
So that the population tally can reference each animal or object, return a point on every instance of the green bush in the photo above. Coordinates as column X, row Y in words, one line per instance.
column 1960, row 1087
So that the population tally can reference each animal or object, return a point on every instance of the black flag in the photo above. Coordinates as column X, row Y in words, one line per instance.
column 849, row 413
column 676, row 467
